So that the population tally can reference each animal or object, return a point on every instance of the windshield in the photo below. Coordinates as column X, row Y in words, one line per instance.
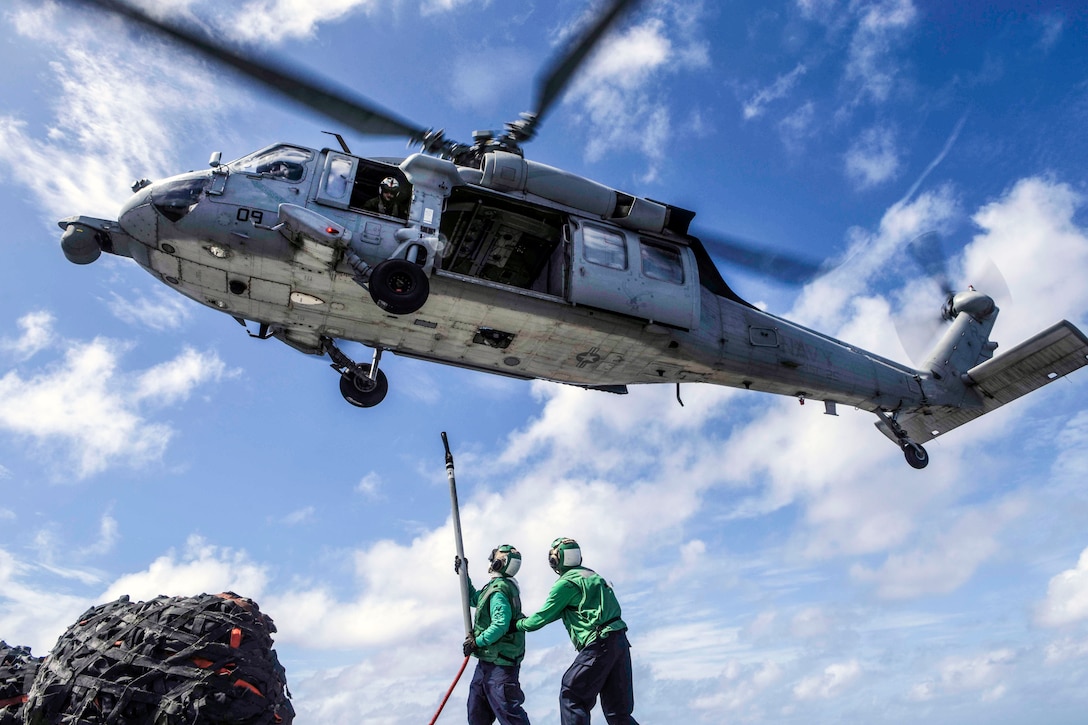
column 281, row 162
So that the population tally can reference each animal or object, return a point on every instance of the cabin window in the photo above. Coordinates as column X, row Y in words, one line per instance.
column 605, row 248
column 340, row 180
column 662, row 262
column 279, row 162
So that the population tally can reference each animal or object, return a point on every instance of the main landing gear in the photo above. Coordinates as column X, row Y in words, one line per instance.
column 914, row 452
column 364, row 386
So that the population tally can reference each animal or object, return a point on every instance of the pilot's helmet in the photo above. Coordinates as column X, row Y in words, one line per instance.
column 505, row 560
column 564, row 555
column 390, row 185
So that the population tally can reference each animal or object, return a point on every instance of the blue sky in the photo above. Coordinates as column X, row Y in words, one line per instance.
column 775, row 564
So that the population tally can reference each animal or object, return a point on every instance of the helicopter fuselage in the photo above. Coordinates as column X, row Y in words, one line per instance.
column 531, row 272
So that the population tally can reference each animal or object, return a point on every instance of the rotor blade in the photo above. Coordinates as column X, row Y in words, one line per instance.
column 991, row 281
column 927, row 250
column 917, row 315
column 781, row 266
column 918, row 331
column 335, row 103
column 563, row 68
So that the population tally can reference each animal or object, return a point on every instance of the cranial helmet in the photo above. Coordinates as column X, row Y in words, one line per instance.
column 389, row 184
column 564, row 555
column 505, row 560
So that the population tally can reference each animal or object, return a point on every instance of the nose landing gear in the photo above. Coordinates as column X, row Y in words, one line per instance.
column 364, row 386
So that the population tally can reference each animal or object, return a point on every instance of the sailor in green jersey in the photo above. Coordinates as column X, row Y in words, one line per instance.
column 495, row 691
column 591, row 614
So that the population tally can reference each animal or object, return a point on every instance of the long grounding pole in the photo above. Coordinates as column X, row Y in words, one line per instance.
column 457, row 535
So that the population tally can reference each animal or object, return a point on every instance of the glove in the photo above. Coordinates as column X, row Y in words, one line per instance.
column 469, row 646
column 457, row 562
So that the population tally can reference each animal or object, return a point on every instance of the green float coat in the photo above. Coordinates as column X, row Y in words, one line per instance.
column 498, row 606
column 586, row 603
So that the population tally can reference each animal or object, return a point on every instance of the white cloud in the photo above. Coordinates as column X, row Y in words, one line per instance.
column 612, row 91
column 798, row 126
column 832, row 682
column 172, row 381
column 370, row 485
column 1032, row 236
column 621, row 88
column 1065, row 649
column 86, row 406
column 37, row 335
column 303, row 515
column 692, row 555
column 440, row 6
column 273, row 21
column 982, row 673
column 115, row 121
column 30, row 615
column 108, row 536
column 810, row 622
column 738, row 691
column 817, row 9
column 200, row 568
column 164, row 310
column 690, row 650
column 1051, row 25
column 873, row 158
column 871, row 64
column 948, row 560
column 757, row 104
column 1066, row 596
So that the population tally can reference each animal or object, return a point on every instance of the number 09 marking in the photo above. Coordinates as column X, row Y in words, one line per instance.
column 254, row 215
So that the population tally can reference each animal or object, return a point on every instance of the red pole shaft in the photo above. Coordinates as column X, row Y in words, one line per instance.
column 449, row 691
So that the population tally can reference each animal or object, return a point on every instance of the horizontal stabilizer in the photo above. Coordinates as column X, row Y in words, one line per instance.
column 1044, row 358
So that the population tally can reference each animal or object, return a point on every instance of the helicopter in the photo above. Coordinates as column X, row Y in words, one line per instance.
column 474, row 256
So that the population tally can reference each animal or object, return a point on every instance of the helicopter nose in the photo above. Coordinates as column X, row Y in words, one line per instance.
column 138, row 217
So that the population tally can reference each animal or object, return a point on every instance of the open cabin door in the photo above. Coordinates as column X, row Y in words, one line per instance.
column 349, row 182
column 624, row 272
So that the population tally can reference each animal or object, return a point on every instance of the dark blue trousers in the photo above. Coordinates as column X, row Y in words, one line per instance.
column 495, row 693
column 601, row 668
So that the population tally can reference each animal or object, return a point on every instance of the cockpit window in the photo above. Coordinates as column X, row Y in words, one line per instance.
column 174, row 199
column 279, row 162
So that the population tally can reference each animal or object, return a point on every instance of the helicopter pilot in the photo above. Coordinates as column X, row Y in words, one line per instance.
column 281, row 169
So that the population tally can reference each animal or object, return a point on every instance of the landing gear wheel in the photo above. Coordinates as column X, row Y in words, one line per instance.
column 398, row 286
column 361, row 391
column 916, row 455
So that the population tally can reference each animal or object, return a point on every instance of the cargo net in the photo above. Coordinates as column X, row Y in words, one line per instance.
column 17, row 670
column 170, row 661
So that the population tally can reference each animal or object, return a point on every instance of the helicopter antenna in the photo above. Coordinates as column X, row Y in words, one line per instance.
column 343, row 144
